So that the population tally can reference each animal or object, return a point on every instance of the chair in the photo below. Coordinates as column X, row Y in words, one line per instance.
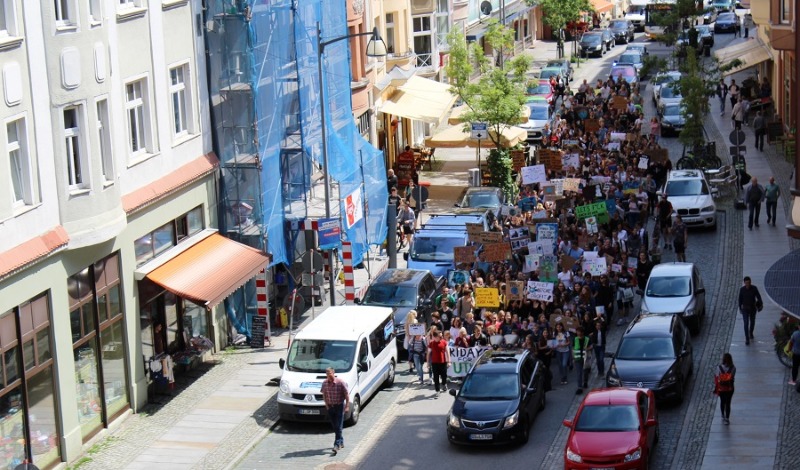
column 729, row 185
column 718, row 178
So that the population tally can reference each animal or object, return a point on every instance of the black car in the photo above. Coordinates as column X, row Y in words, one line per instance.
column 655, row 352
column 481, row 198
column 592, row 43
column 498, row 400
column 727, row 22
column 608, row 39
column 404, row 290
column 623, row 30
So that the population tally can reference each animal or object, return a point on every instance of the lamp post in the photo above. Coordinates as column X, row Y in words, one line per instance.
column 375, row 48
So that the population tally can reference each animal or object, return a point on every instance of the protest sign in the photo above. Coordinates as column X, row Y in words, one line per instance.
column 531, row 263
column 633, row 263
column 613, row 146
column 551, row 159
column 540, row 291
column 515, row 290
column 456, row 277
column 488, row 297
column 590, row 191
column 590, row 255
column 533, row 174
column 473, row 228
column 561, row 204
column 567, row 262
column 570, row 323
column 616, row 268
column 572, row 184
column 542, row 214
column 517, row 161
column 519, row 232
column 494, row 252
column 486, row 237
column 547, row 232
column 461, row 359
column 617, row 136
column 548, row 190
column 536, row 248
column 415, row 329
column 591, row 225
column 559, row 185
column 463, row 255
column 573, row 160
column 596, row 267
column 609, row 260
column 619, row 103
column 657, row 155
column 548, row 268
column 590, row 210
column 591, row 125
column 631, row 136
column 630, row 187
column 644, row 161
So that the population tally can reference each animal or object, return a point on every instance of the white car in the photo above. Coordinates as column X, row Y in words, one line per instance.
column 660, row 80
column 690, row 196
column 675, row 288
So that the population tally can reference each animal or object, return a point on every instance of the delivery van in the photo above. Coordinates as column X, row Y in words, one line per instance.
column 357, row 341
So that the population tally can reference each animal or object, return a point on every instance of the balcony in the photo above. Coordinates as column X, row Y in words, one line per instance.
column 781, row 37
column 399, row 58
column 427, row 64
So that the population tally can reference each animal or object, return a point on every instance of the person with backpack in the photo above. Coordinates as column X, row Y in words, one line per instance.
column 664, row 216
column 754, row 195
column 723, row 385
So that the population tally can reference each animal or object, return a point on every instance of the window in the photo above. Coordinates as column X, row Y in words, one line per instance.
column 135, row 106
column 389, row 33
column 8, row 20
column 786, row 12
column 72, row 146
column 161, row 239
column 104, row 139
column 423, row 41
column 123, row 4
column 63, row 13
column 21, row 190
column 95, row 11
column 180, row 105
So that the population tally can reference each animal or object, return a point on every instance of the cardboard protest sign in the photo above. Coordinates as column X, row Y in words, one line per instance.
column 570, row 323
column 590, row 255
column 572, row 184
column 613, row 146
column 493, row 252
column 590, row 191
column 551, row 159
column 630, row 187
column 515, row 290
column 561, row 204
column 572, row 159
column 463, row 255
column 548, row 268
column 531, row 263
column 567, row 262
column 533, row 174
column 540, row 291
column 591, row 225
column 488, row 297
column 517, row 161
column 542, row 214
column 473, row 228
column 616, row 268
column 631, row 137
column 548, row 190
column 461, row 359
column 658, row 155
column 591, row 125
column 644, row 162
column 609, row 259
column 486, row 237
column 415, row 329
column 619, row 103
column 617, row 136
column 558, row 183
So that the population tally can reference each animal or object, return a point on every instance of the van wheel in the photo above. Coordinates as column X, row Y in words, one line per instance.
column 355, row 412
column 390, row 378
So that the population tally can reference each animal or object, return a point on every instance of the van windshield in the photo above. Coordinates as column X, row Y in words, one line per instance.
column 391, row 295
column 434, row 248
column 315, row 355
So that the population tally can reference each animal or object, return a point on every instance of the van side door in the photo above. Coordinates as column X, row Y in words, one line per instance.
column 363, row 363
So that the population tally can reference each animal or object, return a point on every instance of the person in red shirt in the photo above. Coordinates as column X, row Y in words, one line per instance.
column 438, row 360
column 337, row 402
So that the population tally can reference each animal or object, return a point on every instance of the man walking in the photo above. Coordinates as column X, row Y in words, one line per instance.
column 599, row 346
column 722, row 93
column 760, row 126
column 680, row 235
column 753, row 196
column 580, row 352
column 438, row 360
column 337, row 402
column 773, row 192
column 749, row 304
column 664, row 216
column 737, row 114
column 733, row 91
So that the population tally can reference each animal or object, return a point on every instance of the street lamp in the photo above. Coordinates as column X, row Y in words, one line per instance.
column 375, row 48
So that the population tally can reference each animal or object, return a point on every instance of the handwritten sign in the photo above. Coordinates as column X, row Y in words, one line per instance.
column 494, row 252
column 591, row 225
column 415, row 329
column 540, row 291
column 457, row 277
column 616, row 268
column 533, row 174
column 548, row 268
column 644, row 162
column 488, row 297
column 519, row 232
column 596, row 267
column 474, row 228
column 517, row 161
column 568, row 262
column 558, row 183
column 536, row 248
column 591, row 125
column 572, row 184
column 547, row 235
column 461, row 359
column 561, row 204
column 613, row 146
column 619, row 103
column 463, row 254
column 551, row 159
column 657, row 155
column 515, row 290
column 486, row 237
column 590, row 210
column 573, row 160
column 531, row 263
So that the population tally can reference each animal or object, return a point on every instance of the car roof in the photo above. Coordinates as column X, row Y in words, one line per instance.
column 410, row 277
column 687, row 174
column 344, row 322
column 556, row 61
column 551, row 68
column 612, row 396
column 501, row 360
column 672, row 269
column 482, row 189
column 655, row 326
column 591, row 34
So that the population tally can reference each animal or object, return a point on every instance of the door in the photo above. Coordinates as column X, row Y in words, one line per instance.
column 698, row 284
column 528, row 387
column 364, row 366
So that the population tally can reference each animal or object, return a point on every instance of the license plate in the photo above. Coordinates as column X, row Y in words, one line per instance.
column 602, row 468
column 309, row 412
column 481, row 437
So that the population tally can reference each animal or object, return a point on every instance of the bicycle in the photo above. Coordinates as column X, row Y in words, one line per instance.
column 701, row 157
column 782, row 332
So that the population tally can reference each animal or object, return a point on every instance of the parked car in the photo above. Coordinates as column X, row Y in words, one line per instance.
column 641, row 48
column 542, row 90
column 676, row 288
column 668, row 94
column 548, row 72
column 671, row 119
column 690, row 196
column 591, row 44
column 541, row 114
column 481, row 198
column 722, row 5
column 661, row 80
column 608, row 38
column 710, row 16
column 706, row 35
column 564, row 66
column 623, row 30
column 655, row 352
column 613, row 428
column 404, row 290
column 498, row 400
column 625, row 72
column 630, row 58
column 727, row 22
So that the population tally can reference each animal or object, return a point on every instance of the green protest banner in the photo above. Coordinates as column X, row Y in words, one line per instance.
column 591, row 210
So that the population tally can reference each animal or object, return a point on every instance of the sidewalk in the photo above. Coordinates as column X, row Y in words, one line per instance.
column 756, row 426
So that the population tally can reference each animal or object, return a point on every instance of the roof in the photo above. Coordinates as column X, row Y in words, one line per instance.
column 401, row 276
column 666, row 269
column 612, row 396
column 689, row 174
column 35, row 249
column 420, row 99
column 210, row 270
column 345, row 322
column 501, row 360
column 651, row 325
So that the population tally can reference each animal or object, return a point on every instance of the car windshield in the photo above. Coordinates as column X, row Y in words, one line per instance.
column 539, row 113
column 672, row 110
column 669, row 92
column 434, row 248
column 556, row 63
column 543, row 89
column 591, row 39
column 623, row 71
column 489, row 386
column 608, row 418
column 629, row 59
column 703, row 29
column 668, row 286
column 483, row 200
column 618, row 25
column 725, row 17
column 392, row 295
column 549, row 73
column 636, row 348
column 664, row 79
column 695, row 187
column 312, row 355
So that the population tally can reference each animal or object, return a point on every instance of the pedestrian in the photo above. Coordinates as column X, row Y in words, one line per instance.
column 747, row 24
column 438, row 361
column 737, row 114
column 794, row 346
column 664, row 216
column 750, row 303
column 733, row 91
column 411, row 196
column 722, row 94
column 723, row 385
column 406, row 220
column 581, row 350
column 655, row 129
column 772, row 193
column 680, row 237
column 416, row 351
column 562, row 338
column 337, row 402
column 753, row 195
column 391, row 180
column 760, row 127
column 599, row 345
column 411, row 319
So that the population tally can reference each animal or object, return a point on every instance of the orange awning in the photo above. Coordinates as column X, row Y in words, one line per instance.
column 601, row 6
column 210, row 270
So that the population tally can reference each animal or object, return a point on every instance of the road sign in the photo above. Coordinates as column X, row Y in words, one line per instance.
column 479, row 130
column 736, row 137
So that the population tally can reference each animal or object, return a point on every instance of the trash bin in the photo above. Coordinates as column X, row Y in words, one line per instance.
column 474, row 177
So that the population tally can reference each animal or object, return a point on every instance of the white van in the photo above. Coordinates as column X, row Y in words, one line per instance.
column 357, row 341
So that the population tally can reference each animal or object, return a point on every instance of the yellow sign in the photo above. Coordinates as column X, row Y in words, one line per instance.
column 487, row 297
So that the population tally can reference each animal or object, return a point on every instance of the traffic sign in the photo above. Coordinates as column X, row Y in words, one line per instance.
column 736, row 137
column 479, row 130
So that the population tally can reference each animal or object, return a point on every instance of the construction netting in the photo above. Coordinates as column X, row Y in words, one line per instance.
column 266, row 114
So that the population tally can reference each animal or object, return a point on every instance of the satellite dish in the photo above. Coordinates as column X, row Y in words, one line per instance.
column 486, row 8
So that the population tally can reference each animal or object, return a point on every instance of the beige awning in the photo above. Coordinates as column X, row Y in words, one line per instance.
column 750, row 51
column 456, row 137
column 420, row 99
column 458, row 112
column 601, row 6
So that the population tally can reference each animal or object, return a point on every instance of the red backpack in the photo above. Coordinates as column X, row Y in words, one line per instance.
column 724, row 381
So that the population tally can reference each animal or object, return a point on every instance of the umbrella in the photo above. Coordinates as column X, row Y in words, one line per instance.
column 456, row 137
column 458, row 112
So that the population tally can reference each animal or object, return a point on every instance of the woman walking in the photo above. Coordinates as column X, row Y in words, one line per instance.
column 723, row 385
column 563, row 342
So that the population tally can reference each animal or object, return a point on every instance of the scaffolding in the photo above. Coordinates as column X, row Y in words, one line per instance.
column 265, row 104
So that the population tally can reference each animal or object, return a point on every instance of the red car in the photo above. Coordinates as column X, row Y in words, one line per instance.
column 615, row 428
column 542, row 90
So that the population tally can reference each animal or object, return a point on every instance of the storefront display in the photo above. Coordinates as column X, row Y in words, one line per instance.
column 87, row 390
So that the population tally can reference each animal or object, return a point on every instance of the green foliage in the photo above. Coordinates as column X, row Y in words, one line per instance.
column 557, row 13
column 696, row 90
column 500, row 167
column 652, row 64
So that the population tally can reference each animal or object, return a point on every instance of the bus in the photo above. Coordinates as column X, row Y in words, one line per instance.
column 635, row 13
column 654, row 13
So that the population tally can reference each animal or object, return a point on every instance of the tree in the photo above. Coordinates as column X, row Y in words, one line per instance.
column 695, row 91
column 557, row 13
column 676, row 19
column 495, row 98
